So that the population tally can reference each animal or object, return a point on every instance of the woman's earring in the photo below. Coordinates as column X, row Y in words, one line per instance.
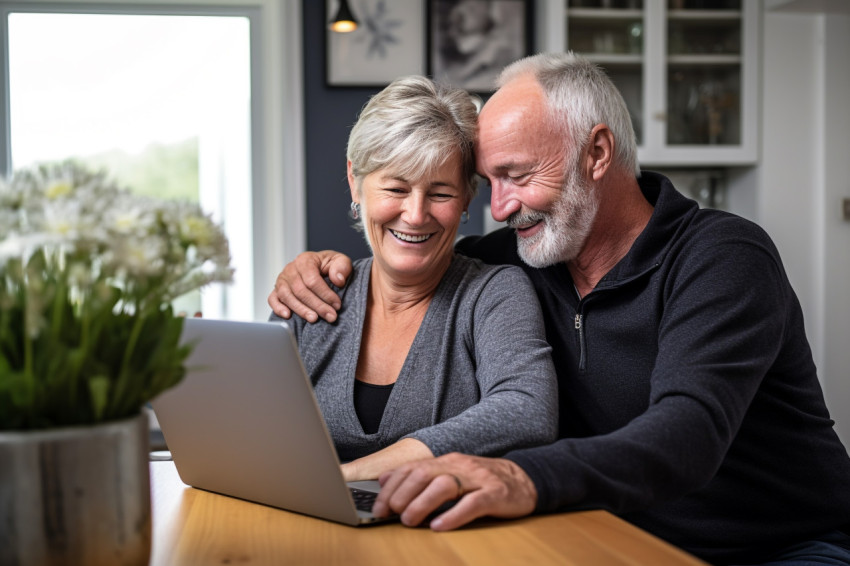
column 355, row 210
column 464, row 217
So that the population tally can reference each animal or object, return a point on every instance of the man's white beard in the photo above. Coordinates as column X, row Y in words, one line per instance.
column 565, row 226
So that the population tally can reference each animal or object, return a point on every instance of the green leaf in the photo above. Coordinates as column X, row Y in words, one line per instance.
column 5, row 369
column 99, row 386
column 21, row 389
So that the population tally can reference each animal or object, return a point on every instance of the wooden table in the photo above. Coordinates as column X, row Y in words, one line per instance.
column 194, row 527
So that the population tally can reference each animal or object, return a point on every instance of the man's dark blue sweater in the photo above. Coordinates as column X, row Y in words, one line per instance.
column 690, row 403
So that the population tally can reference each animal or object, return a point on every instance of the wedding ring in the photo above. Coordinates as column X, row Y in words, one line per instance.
column 460, row 491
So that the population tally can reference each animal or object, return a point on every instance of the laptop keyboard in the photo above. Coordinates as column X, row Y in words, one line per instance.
column 363, row 499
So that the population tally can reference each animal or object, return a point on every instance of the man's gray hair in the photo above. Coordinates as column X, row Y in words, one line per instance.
column 413, row 127
column 579, row 96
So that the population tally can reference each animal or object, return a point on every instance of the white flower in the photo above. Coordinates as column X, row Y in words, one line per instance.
column 22, row 246
column 129, row 217
column 95, row 240
column 140, row 258
column 58, row 188
column 63, row 218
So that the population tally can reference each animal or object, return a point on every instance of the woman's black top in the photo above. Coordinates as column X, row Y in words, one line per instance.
column 369, row 403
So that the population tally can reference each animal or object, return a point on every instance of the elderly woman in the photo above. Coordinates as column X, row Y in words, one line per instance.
column 432, row 352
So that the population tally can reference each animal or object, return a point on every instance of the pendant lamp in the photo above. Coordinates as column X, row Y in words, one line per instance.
column 344, row 21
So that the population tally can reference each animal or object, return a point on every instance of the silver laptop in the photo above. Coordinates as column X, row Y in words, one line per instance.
column 244, row 422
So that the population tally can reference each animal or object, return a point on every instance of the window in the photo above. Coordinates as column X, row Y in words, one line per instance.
column 173, row 104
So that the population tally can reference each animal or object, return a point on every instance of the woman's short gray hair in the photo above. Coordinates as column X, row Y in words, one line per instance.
column 579, row 96
column 413, row 126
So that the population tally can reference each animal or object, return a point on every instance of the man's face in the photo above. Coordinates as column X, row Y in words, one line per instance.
column 534, row 189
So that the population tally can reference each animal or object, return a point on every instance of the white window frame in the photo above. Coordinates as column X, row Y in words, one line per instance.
column 277, row 124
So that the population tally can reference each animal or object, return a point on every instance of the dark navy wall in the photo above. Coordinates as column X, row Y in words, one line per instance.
column 330, row 113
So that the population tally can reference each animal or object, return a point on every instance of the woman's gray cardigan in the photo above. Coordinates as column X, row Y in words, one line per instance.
column 478, row 377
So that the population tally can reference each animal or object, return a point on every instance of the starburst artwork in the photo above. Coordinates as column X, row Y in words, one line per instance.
column 380, row 30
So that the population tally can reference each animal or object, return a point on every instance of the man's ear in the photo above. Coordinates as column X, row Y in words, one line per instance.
column 600, row 151
column 352, row 185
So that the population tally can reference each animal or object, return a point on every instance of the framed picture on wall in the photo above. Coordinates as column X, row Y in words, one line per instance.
column 388, row 43
column 471, row 41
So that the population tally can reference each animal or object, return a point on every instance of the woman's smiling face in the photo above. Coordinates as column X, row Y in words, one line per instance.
column 411, row 224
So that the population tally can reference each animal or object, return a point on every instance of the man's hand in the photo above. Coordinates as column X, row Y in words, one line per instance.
column 484, row 486
column 301, row 289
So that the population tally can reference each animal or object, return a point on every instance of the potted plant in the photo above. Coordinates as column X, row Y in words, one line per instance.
column 88, row 273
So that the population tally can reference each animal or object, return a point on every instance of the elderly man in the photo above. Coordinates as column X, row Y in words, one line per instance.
column 689, row 399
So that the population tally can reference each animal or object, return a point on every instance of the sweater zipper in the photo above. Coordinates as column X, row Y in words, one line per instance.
column 582, row 361
column 579, row 319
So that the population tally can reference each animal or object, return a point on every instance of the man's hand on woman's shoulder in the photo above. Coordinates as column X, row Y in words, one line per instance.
column 301, row 288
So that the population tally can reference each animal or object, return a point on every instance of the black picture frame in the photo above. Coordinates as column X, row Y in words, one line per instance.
column 388, row 43
column 471, row 41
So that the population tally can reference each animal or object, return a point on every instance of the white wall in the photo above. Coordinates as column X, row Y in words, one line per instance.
column 785, row 202
column 835, row 230
column 804, row 170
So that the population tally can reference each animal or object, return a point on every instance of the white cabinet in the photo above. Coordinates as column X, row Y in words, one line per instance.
column 688, row 70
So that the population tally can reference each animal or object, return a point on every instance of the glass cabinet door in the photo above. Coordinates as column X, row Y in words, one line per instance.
column 704, row 39
column 611, row 33
column 687, row 70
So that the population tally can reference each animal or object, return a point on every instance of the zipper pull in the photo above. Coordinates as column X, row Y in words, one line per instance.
column 582, row 361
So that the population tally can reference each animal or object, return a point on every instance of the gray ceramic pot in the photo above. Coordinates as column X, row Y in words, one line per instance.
column 76, row 496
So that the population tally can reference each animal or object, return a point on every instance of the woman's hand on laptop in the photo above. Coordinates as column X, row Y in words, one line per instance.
column 371, row 466
column 301, row 289
column 483, row 487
